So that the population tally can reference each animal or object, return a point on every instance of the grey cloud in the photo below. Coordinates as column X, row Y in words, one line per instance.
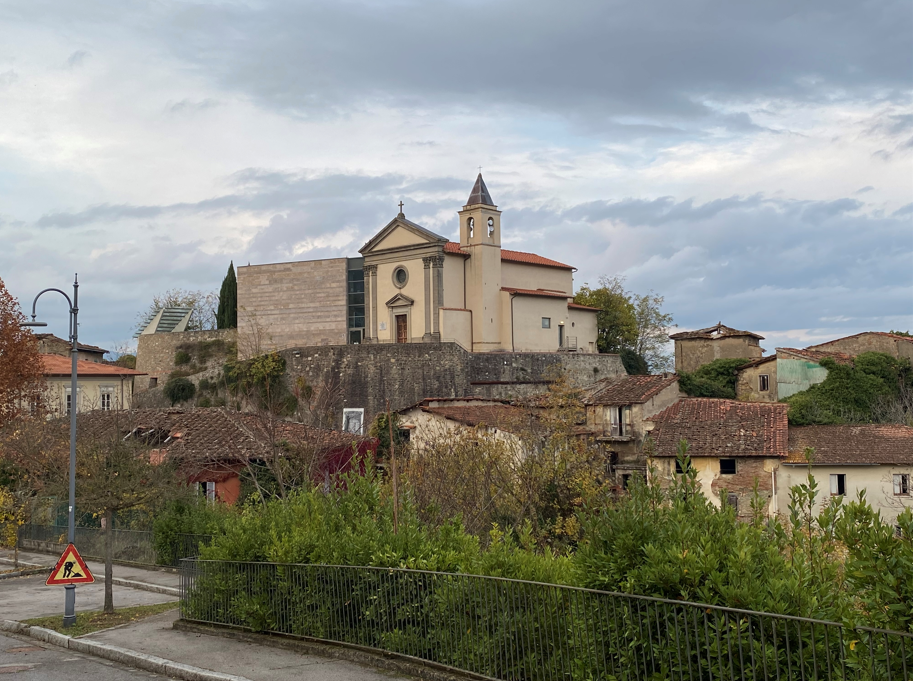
column 660, row 59
column 8, row 77
column 865, row 189
column 186, row 105
column 77, row 58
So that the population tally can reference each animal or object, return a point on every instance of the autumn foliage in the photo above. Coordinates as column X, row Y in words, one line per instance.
column 21, row 378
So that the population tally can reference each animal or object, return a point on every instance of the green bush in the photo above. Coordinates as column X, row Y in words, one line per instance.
column 181, row 358
column 193, row 515
column 851, row 393
column 179, row 389
column 204, row 402
column 716, row 379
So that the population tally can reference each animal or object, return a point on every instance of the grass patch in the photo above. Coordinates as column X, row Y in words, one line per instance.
column 96, row 620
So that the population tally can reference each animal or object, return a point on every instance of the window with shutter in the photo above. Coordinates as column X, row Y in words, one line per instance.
column 901, row 484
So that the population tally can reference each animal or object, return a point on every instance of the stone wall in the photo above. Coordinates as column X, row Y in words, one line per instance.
column 870, row 342
column 292, row 304
column 693, row 353
column 155, row 352
column 368, row 376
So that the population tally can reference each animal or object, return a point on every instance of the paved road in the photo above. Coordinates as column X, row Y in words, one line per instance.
column 24, row 659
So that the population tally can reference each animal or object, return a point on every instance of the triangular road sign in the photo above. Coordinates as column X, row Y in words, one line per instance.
column 70, row 569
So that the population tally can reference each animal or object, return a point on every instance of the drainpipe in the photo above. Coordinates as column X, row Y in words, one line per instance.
column 512, row 296
column 773, row 485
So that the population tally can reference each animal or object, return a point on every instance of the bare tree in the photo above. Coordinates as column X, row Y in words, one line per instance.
column 203, row 306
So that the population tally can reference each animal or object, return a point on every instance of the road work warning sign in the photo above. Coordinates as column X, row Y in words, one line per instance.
column 70, row 569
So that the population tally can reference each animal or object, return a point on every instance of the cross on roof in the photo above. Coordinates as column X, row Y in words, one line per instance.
column 400, row 206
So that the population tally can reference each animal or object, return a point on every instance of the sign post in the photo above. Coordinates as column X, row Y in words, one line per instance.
column 70, row 570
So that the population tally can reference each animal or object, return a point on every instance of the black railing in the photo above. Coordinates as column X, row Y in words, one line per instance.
column 131, row 546
column 512, row 630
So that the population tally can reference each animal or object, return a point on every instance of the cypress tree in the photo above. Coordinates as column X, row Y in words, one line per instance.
column 227, row 314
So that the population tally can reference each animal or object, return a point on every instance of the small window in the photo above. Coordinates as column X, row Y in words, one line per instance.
column 153, row 381
column 678, row 466
column 732, row 500
column 625, row 480
column 209, row 490
column 838, row 484
column 901, row 484
column 400, row 277
column 546, row 322
column 106, row 401
column 763, row 383
column 727, row 466
column 69, row 403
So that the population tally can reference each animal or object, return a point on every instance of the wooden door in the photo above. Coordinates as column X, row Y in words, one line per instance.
column 402, row 329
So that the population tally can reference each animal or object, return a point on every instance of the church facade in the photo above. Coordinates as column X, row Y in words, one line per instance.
column 414, row 286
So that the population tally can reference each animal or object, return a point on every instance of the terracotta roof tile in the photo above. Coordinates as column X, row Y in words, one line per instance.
column 853, row 444
column 756, row 362
column 215, row 434
column 714, row 332
column 626, row 389
column 512, row 256
column 908, row 339
column 818, row 355
column 502, row 416
column 724, row 428
column 56, row 365
column 51, row 338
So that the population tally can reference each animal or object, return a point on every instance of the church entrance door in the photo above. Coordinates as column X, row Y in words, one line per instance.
column 402, row 329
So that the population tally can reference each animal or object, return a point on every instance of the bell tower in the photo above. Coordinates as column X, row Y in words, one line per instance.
column 480, row 237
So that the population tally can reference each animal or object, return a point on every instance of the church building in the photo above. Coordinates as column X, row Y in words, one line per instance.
column 414, row 286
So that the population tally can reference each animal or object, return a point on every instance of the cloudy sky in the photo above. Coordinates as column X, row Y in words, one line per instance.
column 750, row 161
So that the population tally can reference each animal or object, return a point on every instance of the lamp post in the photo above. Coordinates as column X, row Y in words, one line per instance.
column 69, row 607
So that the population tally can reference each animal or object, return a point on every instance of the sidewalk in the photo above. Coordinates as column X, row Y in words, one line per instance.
column 27, row 597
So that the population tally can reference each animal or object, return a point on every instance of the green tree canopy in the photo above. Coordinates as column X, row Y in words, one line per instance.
column 227, row 313
column 628, row 321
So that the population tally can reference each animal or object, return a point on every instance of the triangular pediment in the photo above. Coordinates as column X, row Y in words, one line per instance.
column 399, row 300
column 400, row 233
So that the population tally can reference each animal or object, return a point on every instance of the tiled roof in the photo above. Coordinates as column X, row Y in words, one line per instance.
column 860, row 444
column 534, row 292
column 577, row 306
column 512, row 256
column 714, row 332
column 626, row 389
column 56, row 365
column 908, row 339
column 756, row 362
column 502, row 416
column 724, row 428
column 215, row 434
column 818, row 355
column 51, row 338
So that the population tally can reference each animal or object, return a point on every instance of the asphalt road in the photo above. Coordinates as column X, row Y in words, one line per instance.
column 25, row 659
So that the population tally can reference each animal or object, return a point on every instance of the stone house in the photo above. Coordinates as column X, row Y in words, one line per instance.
column 411, row 285
column 436, row 418
column 616, row 411
column 733, row 446
column 791, row 370
column 870, row 341
column 848, row 459
column 694, row 349
column 214, row 445
column 49, row 344
column 105, row 387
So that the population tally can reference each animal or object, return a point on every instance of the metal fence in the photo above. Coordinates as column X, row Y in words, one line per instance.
column 513, row 630
column 133, row 546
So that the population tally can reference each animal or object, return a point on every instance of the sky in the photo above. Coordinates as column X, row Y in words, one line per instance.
column 751, row 162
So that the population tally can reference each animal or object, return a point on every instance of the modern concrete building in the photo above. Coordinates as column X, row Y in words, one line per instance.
column 411, row 285
column 694, row 349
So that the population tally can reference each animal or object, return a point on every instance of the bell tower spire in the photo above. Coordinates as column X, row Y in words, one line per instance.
column 480, row 219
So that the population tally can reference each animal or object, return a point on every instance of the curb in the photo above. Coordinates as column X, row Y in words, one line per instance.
column 25, row 572
column 144, row 586
column 149, row 663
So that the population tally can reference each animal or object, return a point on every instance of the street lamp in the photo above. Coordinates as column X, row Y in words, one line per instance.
column 69, row 606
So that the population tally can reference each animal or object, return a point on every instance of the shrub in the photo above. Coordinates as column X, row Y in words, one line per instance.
column 126, row 361
column 716, row 379
column 193, row 515
column 204, row 402
column 179, row 389
column 181, row 358
column 633, row 363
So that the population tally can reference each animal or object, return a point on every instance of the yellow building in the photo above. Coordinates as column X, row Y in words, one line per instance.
column 99, row 386
column 421, row 287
